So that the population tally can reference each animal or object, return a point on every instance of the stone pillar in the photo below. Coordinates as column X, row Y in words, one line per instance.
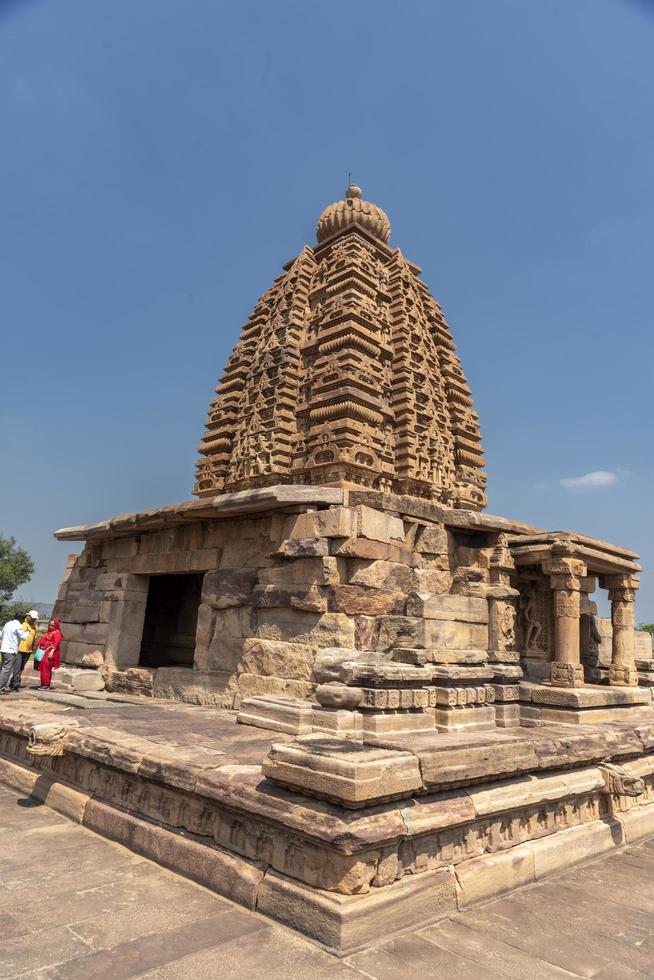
column 501, row 605
column 622, row 593
column 565, row 580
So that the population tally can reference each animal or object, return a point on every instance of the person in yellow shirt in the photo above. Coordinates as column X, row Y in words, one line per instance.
column 26, row 647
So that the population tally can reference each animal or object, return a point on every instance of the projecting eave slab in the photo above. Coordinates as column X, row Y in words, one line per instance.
column 208, row 508
column 600, row 556
column 279, row 497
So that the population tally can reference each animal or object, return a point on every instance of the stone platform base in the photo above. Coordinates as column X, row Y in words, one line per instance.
column 340, row 923
column 584, row 705
column 475, row 814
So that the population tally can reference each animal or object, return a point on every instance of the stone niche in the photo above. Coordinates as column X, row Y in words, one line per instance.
column 372, row 576
column 535, row 625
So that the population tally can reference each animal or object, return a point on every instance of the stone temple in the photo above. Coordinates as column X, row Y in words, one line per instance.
column 443, row 715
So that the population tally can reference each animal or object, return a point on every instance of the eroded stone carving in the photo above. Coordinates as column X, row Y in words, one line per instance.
column 528, row 617
column 49, row 738
column 620, row 782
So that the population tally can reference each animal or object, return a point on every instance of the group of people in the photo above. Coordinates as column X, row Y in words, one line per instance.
column 18, row 643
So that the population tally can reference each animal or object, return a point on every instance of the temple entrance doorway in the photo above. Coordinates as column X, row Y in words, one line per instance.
column 171, row 618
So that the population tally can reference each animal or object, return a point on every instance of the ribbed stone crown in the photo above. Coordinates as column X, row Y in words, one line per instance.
column 346, row 372
column 353, row 210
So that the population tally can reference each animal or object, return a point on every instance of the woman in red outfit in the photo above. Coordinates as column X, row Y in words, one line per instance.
column 51, row 659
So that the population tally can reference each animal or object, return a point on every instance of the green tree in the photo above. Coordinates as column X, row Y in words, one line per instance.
column 648, row 627
column 16, row 568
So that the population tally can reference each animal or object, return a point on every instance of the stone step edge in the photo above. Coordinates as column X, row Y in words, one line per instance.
column 340, row 924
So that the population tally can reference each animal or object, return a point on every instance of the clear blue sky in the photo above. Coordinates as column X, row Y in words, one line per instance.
column 162, row 159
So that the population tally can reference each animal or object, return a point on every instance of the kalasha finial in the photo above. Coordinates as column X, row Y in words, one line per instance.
column 353, row 191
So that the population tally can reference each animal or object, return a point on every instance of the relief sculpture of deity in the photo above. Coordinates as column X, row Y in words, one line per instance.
column 528, row 619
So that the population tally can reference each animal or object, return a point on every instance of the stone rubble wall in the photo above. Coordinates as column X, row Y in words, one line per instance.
column 277, row 589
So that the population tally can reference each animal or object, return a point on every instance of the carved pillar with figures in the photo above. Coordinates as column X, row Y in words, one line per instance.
column 622, row 593
column 501, row 604
column 565, row 580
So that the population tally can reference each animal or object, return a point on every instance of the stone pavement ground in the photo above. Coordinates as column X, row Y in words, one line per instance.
column 74, row 905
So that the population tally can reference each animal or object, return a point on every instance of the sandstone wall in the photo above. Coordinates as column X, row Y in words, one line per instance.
column 278, row 589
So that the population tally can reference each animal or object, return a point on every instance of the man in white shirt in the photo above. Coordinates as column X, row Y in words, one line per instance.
column 12, row 636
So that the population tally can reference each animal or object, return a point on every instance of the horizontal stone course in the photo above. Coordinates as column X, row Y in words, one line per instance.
column 451, row 608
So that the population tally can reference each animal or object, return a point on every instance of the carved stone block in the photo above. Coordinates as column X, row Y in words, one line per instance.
column 342, row 770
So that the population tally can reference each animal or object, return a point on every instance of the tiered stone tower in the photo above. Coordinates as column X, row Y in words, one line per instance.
column 346, row 373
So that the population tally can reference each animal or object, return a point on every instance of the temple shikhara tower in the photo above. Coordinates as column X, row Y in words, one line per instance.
column 346, row 373
column 413, row 704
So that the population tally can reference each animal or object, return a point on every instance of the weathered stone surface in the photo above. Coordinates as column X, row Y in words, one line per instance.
column 506, row 692
column 345, row 923
column 257, row 685
column 431, row 579
column 336, row 522
column 485, row 877
column 337, row 722
column 334, row 695
column 431, row 540
column 399, row 631
column 293, row 661
column 355, row 600
column 453, row 608
column 277, row 714
column 204, row 633
column 475, row 719
column 447, row 761
column 507, row 714
column 360, row 673
column 366, row 631
column 420, row 657
column 224, row 653
column 377, row 525
column 342, row 770
column 232, row 876
column 379, row 725
column 568, row 847
column 133, row 680
column 311, row 599
column 507, row 673
column 304, row 548
column 72, row 679
column 374, row 551
column 458, row 674
column 329, row 662
column 380, row 575
column 394, row 699
column 460, row 697
column 504, row 657
column 225, row 587
column 82, row 654
column 595, row 716
column 304, row 571
column 296, row 626
column 453, row 635
column 532, row 790
column 582, row 697
column 195, row 687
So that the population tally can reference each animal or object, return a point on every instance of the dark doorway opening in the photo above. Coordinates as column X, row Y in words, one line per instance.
column 171, row 618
